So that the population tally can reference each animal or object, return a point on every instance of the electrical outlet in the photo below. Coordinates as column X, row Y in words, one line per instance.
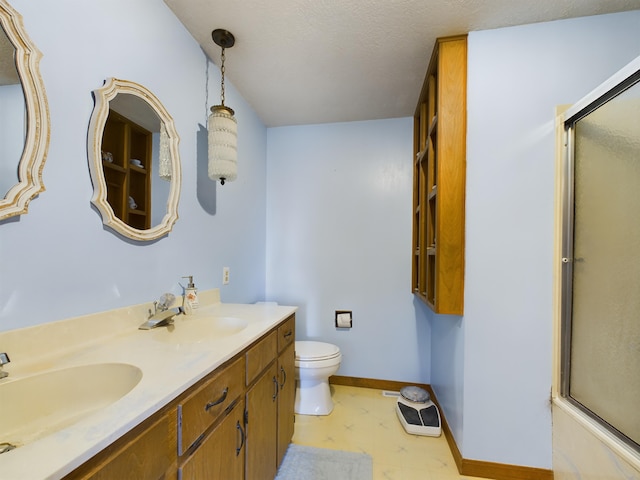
column 225, row 275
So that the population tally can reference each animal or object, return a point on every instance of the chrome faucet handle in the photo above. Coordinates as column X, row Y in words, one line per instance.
column 4, row 359
column 166, row 299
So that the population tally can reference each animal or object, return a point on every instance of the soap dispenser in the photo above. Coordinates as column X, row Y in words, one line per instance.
column 190, row 297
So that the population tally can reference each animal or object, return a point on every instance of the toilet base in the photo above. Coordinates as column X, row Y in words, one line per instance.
column 313, row 397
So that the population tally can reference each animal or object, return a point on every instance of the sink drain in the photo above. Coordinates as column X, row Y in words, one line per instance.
column 6, row 447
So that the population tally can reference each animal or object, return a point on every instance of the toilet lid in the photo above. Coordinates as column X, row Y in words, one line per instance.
column 307, row 350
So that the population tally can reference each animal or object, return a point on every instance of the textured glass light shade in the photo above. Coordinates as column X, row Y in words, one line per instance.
column 164, row 155
column 223, row 144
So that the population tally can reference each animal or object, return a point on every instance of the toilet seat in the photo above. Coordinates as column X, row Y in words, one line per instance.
column 309, row 351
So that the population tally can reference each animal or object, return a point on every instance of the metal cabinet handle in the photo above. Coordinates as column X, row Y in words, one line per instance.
column 241, row 431
column 275, row 388
column 284, row 377
column 219, row 401
column 288, row 334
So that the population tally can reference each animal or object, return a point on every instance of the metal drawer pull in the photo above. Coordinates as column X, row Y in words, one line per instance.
column 219, row 401
column 284, row 377
column 275, row 386
column 288, row 334
column 239, row 428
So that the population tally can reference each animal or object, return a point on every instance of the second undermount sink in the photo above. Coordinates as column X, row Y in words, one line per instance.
column 190, row 330
column 36, row 406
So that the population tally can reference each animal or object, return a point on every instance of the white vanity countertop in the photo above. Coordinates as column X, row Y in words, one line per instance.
column 168, row 369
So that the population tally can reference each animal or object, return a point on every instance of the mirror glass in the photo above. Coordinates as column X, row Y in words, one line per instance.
column 134, row 161
column 12, row 116
column 24, row 116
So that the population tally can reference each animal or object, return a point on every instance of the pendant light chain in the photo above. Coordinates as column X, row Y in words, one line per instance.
column 222, row 83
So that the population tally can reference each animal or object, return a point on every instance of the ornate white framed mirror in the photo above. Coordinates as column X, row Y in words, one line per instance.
column 134, row 161
column 24, row 115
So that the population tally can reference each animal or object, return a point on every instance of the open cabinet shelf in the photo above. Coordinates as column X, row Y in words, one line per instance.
column 122, row 142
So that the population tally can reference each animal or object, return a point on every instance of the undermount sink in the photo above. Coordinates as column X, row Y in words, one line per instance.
column 36, row 406
column 187, row 330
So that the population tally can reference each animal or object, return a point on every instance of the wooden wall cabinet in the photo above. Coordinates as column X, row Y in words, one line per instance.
column 234, row 424
column 439, row 179
column 126, row 141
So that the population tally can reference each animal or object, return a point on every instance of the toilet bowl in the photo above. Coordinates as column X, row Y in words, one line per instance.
column 315, row 363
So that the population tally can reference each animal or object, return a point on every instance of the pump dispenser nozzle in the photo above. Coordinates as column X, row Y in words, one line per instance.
column 190, row 284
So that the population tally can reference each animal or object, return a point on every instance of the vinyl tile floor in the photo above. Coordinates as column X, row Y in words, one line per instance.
column 364, row 420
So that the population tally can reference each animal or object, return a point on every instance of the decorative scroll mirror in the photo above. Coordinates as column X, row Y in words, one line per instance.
column 24, row 116
column 134, row 161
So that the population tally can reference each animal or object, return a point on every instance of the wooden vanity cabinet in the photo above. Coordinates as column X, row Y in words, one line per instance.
column 439, row 176
column 287, row 386
column 262, row 409
column 234, row 424
column 270, row 401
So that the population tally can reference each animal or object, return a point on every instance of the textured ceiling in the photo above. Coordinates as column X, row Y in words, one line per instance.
column 317, row 61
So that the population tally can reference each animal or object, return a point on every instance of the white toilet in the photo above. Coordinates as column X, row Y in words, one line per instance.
column 315, row 363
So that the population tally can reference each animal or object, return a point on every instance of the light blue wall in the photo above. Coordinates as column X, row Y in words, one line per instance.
column 496, row 389
column 58, row 261
column 339, row 238
column 491, row 368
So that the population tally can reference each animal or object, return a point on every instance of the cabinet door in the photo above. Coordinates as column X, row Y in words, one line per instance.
column 286, row 399
column 262, row 411
column 221, row 455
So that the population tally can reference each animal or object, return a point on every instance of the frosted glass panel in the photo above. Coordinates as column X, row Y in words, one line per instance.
column 605, row 341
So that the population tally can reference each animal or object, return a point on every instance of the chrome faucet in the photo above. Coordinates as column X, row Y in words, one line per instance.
column 161, row 315
column 4, row 359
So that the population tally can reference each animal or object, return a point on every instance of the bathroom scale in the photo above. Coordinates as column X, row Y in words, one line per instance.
column 417, row 413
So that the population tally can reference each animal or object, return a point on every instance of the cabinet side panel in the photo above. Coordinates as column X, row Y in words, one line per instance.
column 452, row 128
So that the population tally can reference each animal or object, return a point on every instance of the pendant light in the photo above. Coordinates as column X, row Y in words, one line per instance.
column 222, row 126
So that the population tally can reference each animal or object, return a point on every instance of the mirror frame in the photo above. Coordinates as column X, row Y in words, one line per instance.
column 103, row 96
column 36, row 144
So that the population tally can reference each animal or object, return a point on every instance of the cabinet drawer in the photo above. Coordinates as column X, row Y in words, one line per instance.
column 204, row 406
column 261, row 355
column 286, row 333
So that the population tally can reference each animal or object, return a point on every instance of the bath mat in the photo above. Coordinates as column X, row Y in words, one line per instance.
column 309, row 463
